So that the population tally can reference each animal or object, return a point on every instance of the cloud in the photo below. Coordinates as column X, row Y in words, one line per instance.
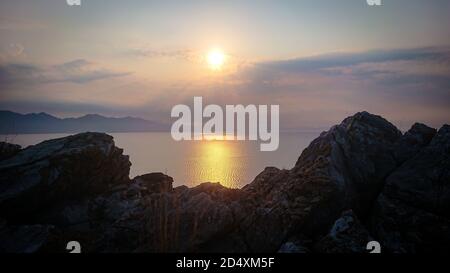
column 11, row 74
column 11, row 51
column 15, row 49
column 404, row 85
column 419, row 67
column 73, row 65
column 82, row 71
column 183, row 54
column 334, row 60
column 78, row 71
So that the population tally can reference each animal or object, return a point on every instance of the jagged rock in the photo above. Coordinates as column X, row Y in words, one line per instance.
column 412, row 213
column 347, row 235
column 413, row 141
column 190, row 219
column 8, row 150
column 155, row 182
column 59, row 171
column 355, row 157
column 342, row 169
column 80, row 185
column 23, row 239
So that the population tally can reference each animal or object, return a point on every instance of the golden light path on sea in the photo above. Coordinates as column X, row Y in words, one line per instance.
column 218, row 162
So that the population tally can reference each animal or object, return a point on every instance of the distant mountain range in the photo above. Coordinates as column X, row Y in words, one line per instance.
column 15, row 123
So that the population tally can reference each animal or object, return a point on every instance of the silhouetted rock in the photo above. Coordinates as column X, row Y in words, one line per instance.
column 354, row 158
column 189, row 219
column 412, row 213
column 58, row 172
column 413, row 141
column 8, row 150
column 347, row 235
column 393, row 188
column 155, row 182
column 23, row 239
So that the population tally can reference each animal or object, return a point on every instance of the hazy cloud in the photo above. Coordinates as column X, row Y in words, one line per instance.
column 183, row 54
column 321, row 87
column 82, row 71
column 11, row 51
column 314, row 91
column 351, row 59
column 429, row 67
column 78, row 71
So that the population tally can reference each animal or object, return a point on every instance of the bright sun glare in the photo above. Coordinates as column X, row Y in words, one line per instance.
column 216, row 59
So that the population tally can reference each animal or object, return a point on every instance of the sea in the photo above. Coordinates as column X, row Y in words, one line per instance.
column 231, row 163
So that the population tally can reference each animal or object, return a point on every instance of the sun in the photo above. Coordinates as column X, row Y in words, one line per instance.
column 216, row 59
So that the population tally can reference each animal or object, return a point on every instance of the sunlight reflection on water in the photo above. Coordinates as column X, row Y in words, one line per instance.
column 217, row 161
column 232, row 163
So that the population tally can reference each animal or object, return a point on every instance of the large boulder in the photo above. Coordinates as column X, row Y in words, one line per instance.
column 155, row 182
column 413, row 212
column 355, row 157
column 58, row 172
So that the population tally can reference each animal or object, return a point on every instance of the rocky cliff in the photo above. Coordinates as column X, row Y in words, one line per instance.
column 362, row 180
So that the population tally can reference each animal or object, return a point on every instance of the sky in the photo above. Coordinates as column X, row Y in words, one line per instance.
column 320, row 60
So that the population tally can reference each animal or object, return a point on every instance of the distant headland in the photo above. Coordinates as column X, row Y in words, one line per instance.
column 35, row 123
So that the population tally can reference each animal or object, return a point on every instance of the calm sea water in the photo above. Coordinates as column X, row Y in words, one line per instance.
column 232, row 163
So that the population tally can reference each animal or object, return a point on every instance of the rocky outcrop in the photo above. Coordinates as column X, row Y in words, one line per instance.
column 8, row 150
column 23, row 239
column 53, row 183
column 362, row 180
column 54, row 173
column 347, row 235
column 412, row 214
column 414, row 140
column 354, row 157
column 155, row 182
